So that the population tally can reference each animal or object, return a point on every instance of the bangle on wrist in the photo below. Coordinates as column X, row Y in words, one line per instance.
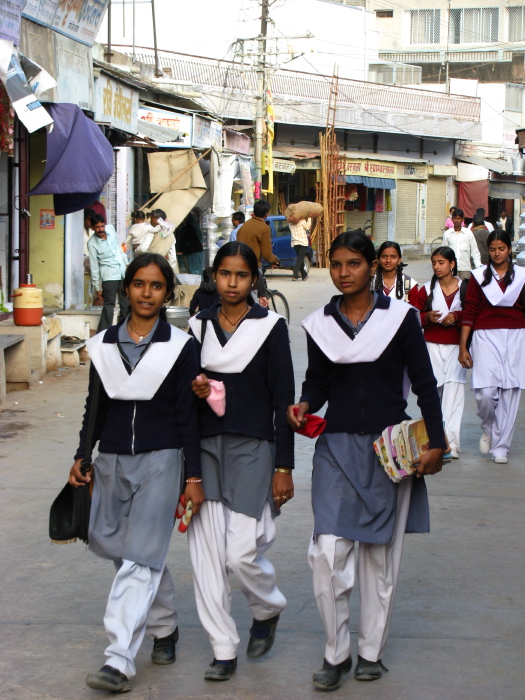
column 193, row 480
column 283, row 471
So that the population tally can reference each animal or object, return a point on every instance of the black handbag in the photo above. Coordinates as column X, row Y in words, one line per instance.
column 69, row 514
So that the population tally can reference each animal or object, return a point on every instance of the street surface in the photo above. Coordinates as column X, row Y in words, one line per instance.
column 458, row 626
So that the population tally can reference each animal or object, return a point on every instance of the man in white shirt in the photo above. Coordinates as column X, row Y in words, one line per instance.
column 299, row 241
column 464, row 245
column 108, row 267
column 487, row 224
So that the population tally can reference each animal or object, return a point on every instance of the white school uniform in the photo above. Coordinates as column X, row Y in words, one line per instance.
column 498, row 373
column 450, row 375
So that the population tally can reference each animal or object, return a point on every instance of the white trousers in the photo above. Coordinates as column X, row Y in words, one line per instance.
column 498, row 409
column 452, row 395
column 141, row 601
column 333, row 562
column 222, row 541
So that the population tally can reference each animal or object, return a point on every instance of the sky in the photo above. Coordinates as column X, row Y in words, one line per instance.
column 210, row 27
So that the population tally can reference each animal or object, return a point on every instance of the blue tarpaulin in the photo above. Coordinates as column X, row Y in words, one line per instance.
column 382, row 183
column 79, row 160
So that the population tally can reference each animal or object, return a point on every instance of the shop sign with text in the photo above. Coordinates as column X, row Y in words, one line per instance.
column 116, row 104
column 371, row 168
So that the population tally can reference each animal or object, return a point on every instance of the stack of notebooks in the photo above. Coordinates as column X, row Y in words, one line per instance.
column 401, row 447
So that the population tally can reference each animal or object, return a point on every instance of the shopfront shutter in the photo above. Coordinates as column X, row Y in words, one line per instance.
column 112, row 194
column 436, row 208
column 380, row 227
column 357, row 219
column 406, row 212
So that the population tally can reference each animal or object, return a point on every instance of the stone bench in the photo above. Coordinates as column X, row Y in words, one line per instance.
column 15, row 364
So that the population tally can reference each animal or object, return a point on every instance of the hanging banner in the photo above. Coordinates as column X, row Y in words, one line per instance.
column 267, row 165
column 247, row 183
column 28, row 109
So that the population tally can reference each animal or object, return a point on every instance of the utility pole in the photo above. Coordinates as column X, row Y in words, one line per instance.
column 261, row 96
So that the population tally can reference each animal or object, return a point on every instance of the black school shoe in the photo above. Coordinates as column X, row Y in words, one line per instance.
column 329, row 677
column 164, row 649
column 220, row 670
column 262, row 637
column 369, row 670
column 108, row 678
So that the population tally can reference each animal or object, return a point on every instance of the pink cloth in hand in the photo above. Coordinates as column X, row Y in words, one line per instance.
column 217, row 398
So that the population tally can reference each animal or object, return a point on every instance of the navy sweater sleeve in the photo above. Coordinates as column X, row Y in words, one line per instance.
column 280, row 378
column 101, row 416
column 316, row 387
column 186, row 416
column 421, row 376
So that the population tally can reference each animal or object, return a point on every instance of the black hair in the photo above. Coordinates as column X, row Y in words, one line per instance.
column 97, row 219
column 233, row 248
column 138, row 215
column 459, row 212
column 357, row 241
column 207, row 273
column 239, row 216
column 88, row 213
column 378, row 282
column 480, row 211
column 261, row 208
column 446, row 252
column 153, row 259
column 452, row 211
column 478, row 220
column 499, row 235
column 159, row 213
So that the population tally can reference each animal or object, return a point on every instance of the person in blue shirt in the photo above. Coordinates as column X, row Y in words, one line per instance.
column 108, row 263
column 238, row 220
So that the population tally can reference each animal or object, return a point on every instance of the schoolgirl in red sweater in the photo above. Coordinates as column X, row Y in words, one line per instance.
column 440, row 304
column 493, row 313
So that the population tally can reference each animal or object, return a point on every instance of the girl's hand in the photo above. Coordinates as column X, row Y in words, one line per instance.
column 431, row 462
column 194, row 493
column 465, row 358
column 433, row 316
column 201, row 386
column 297, row 421
column 282, row 488
column 76, row 478
column 449, row 320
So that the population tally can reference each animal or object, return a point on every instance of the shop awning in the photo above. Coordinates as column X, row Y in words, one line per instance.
column 382, row 183
column 158, row 133
column 506, row 190
column 497, row 165
column 79, row 160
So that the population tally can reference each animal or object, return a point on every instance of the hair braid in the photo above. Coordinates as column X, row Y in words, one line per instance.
column 378, row 282
column 400, row 291
column 430, row 298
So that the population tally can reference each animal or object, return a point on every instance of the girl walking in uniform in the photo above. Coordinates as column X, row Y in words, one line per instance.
column 493, row 313
column 359, row 345
column 440, row 304
column 247, row 458
column 146, row 419
column 389, row 276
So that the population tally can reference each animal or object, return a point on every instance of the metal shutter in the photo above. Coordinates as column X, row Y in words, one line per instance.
column 357, row 219
column 406, row 212
column 380, row 227
column 436, row 208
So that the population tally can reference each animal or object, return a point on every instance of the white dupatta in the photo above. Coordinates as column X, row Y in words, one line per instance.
column 494, row 293
column 144, row 382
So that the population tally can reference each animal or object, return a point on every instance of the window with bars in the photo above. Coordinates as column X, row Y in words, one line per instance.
column 477, row 25
column 514, row 98
column 424, row 26
column 516, row 23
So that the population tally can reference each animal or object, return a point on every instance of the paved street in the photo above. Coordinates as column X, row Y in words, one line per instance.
column 458, row 626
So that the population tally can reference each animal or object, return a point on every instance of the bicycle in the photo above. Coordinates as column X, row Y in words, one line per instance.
column 276, row 300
